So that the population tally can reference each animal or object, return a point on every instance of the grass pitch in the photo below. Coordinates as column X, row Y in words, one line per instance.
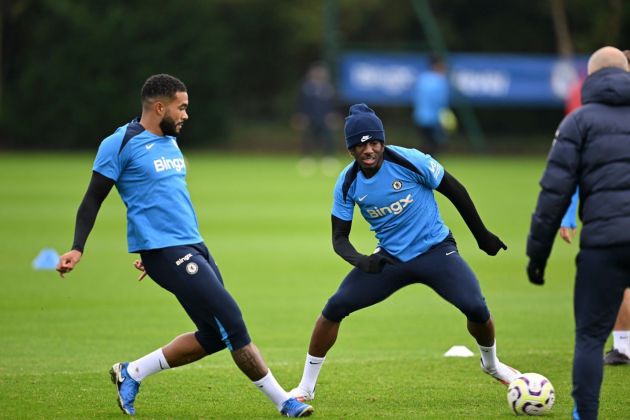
column 268, row 228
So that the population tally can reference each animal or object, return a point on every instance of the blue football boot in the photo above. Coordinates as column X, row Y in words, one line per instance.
column 295, row 408
column 127, row 387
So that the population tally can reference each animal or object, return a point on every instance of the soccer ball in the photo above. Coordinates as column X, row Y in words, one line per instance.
column 531, row 394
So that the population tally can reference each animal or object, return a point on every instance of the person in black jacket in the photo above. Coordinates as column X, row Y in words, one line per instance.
column 591, row 149
column 619, row 355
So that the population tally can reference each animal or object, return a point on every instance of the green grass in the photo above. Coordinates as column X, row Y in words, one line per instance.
column 268, row 228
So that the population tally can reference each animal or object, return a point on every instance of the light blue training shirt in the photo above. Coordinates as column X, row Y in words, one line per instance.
column 150, row 174
column 397, row 201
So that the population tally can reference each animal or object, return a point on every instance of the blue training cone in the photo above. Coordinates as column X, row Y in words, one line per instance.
column 47, row 259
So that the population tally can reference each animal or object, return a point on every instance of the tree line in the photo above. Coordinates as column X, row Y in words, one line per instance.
column 71, row 70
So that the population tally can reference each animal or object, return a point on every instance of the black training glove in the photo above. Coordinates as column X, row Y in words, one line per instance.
column 536, row 272
column 490, row 243
column 373, row 263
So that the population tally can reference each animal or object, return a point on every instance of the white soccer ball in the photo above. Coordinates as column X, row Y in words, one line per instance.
column 531, row 394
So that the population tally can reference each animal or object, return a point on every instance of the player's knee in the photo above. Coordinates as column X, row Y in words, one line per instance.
column 235, row 335
column 477, row 312
column 209, row 342
column 336, row 309
column 591, row 334
column 232, row 335
column 237, row 339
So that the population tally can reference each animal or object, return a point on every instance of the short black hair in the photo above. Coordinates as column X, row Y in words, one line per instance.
column 161, row 85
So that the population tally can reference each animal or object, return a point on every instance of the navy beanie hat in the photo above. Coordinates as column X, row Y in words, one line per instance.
column 362, row 125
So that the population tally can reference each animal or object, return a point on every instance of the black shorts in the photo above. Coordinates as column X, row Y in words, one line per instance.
column 190, row 273
column 441, row 268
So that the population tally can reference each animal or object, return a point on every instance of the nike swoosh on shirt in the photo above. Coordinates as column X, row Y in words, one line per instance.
column 363, row 198
column 149, row 146
column 451, row 252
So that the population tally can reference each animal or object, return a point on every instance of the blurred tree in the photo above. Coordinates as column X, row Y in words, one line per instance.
column 600, row 23
column 561, row 28
column 78, row 67
column 71, row 70
column 10, row 11
column 75, row 68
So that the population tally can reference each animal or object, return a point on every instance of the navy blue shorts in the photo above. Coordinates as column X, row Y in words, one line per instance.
column 190, row 273
column 441, row 268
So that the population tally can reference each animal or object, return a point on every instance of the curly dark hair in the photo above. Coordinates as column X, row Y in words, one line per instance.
column 161, row 85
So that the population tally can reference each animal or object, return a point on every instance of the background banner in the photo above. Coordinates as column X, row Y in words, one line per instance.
column 482, row 79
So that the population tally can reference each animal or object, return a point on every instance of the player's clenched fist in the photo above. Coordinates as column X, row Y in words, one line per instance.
column 67, row 261
column 140, row 266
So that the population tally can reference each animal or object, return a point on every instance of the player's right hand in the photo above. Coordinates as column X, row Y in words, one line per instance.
column 567, row 233
column 140, row 266
column 373, row 263
column 67, row 261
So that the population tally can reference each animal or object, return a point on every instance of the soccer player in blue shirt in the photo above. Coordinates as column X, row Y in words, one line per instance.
column 143, row 160
column 393, row 188
column 430, row 100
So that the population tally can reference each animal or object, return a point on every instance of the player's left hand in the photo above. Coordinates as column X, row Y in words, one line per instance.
column 536, row 272
column 139, row 266
column 491, row 244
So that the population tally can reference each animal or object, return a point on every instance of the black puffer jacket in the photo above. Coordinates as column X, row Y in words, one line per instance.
column 591, row 149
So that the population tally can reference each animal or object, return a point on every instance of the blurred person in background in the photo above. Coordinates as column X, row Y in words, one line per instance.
column 316, row 118
column 143, row 160
column 573, row 99
column 620, row 352
column 430, row 105
column 591, row 149
column 393, row 188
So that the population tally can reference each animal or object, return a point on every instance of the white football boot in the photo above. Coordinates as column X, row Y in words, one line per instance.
column 502, row 372
column 301, row 395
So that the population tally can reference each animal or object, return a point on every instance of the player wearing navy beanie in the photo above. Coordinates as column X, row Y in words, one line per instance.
column 363, row 125
column 393, row 187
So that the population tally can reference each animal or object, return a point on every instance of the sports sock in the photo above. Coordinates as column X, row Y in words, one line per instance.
column 489, row 356
column 621, row 341
column 312, row 366
column 147, row 365
column 272, row 389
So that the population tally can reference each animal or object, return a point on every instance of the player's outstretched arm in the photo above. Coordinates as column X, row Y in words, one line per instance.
column 97, row 191
column 341, row 244
column 452, row 189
